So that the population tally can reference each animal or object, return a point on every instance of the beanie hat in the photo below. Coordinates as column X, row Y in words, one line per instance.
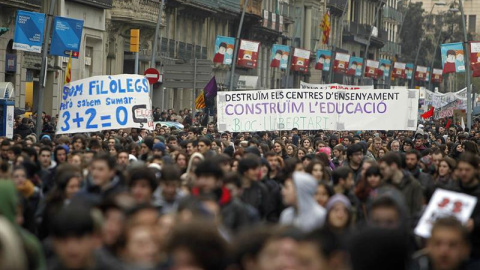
column 159, row 146
column 338, row 198
column 67, row 149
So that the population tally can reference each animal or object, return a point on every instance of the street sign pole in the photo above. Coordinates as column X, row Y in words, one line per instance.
column 43, row 70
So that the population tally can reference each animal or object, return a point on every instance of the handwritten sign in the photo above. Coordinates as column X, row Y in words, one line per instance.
column 314, row 109
column 105, row 102
column 445, row 203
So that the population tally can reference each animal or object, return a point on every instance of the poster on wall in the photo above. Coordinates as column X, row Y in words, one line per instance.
column 355, row 66
column 371, row 69
column 280, row 54
column 224, row 50
column 323, row 60
column 340, row 65
column 300, row 60
column 248, row 54
column 453, row 58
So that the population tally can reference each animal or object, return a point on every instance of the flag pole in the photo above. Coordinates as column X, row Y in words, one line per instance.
column 235, row 49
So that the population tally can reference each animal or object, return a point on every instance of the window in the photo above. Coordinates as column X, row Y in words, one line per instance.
column 472, row 22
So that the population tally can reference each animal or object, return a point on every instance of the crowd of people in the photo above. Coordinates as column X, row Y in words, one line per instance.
column 200, row 199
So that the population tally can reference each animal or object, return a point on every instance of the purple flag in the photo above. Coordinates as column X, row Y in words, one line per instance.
column 211, row 88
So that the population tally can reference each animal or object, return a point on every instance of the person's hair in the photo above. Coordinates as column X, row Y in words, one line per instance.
column 81, row 137
column 142, row 173
column 249, row 243
column 247, row 163
column 392, row 158
column 45, row 148
column 413, row 152
column 377, row 139
column 269, row 154
column 451, row 223
column 469, row 158
column 209, row 168
column 12, row 250
column 170, row 173
column 326, row 241
column 171, row 138
column 221, row 159
column 233, row 178
column 340, row 173
column 205, row 140
column 362, row 189
column 439, row 151
column 311, row 165
column 111, row 162
column 72, row 221
column 63, row 175
column 385, row 202
column 203, row 241
column 470, row 147
column 450, row 162
column 354, row 148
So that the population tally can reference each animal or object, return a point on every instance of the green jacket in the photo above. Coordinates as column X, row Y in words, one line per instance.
column 8, row 209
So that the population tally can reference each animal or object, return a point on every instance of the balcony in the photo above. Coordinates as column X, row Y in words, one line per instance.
column 359, row 33
column 31, row 5
column 337, row 7
column 392, row 48
column 254, row 7
column 139, row 12
column 106, row 4
column 232, row 6
column 392, row 15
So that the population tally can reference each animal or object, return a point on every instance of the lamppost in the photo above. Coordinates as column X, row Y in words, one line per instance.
column 467, row 67
column 420, row 45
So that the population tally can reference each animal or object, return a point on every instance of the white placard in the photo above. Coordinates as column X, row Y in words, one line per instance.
column 314, row 109
column 105, row 102
column 445, row 203
column 301, row 53
column 10, row 121
column 342, row 57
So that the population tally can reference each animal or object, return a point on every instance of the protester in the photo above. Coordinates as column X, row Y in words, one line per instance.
column 196, row 198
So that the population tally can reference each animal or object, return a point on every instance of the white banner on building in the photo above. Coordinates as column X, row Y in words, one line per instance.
column 445, row 203
column 333, row 86
column 105, row 102
column 313, row 109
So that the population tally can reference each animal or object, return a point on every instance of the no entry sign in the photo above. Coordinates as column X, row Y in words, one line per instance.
column 152, row 75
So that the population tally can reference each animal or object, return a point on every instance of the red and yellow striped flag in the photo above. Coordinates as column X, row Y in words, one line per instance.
column 326, row 27
column 68, row 72
column 200, row 101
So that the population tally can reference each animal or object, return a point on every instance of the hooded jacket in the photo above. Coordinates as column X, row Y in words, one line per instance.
column 308, row 214
column 8, row 206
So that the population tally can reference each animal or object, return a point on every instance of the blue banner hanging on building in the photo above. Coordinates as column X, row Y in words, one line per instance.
column 67, row 36
column 29, row 28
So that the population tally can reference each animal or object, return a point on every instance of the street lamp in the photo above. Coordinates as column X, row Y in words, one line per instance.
column 420, row 44
column 467, row 67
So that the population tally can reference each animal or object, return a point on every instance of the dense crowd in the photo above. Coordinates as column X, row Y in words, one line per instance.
column 200, row 199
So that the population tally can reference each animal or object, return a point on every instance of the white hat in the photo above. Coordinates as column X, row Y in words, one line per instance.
column 420, row 126
column 132, row 158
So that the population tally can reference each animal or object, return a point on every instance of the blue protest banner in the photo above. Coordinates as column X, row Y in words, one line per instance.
column 67, row 36
column 29, row 27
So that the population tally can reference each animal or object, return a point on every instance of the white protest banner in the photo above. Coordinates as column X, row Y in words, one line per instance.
column 314, row 109
column 304, row 85
column 445, row 203
column 105, row 102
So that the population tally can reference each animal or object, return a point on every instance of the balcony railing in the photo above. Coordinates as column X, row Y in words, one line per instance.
column 230, row 5
column 286, row 10
column 96, row 3
column 361, row 33
column 392, row 14
column 23, row 4
column 392, row 48
column 211, row 4
column 337, row 6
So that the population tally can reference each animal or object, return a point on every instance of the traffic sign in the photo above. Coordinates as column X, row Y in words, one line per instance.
column 152, row 75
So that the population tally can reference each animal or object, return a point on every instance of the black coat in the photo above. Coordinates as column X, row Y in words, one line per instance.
column 24, row 130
